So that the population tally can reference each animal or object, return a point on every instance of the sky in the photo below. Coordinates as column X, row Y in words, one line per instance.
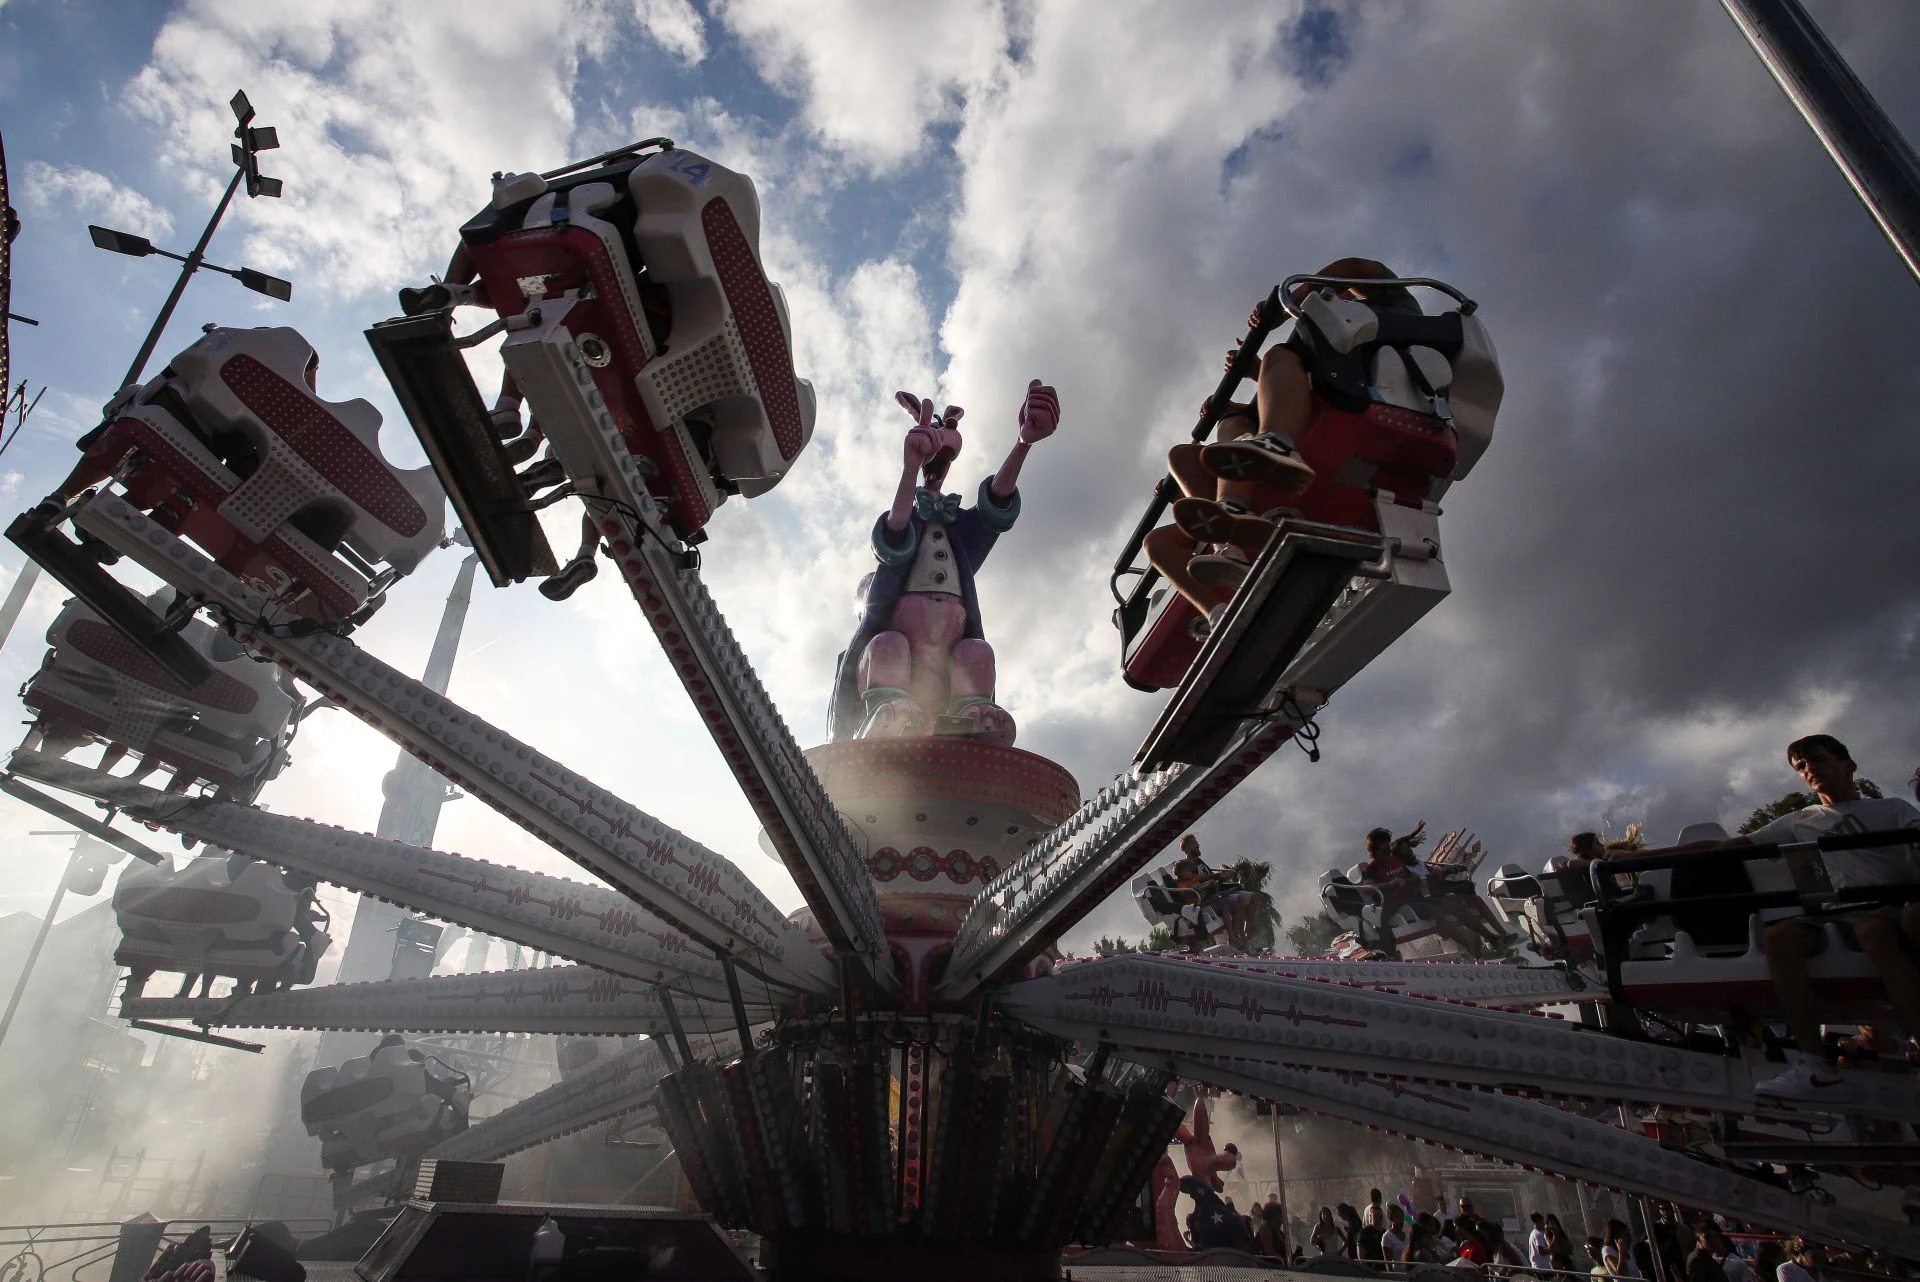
column 1692, row 540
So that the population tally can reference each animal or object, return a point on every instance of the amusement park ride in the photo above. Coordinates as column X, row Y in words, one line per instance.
column 905, row 1072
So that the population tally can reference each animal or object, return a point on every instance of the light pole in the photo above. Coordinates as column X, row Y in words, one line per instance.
column 249, row 140
column 80, row 848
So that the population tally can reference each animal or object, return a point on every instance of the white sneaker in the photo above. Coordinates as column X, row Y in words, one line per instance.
column 1811, row 1081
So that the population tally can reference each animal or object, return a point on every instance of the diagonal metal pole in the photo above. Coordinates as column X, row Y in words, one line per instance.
column 39, row 940
column 189, row 265
column 1864, row 143
column 17, row 598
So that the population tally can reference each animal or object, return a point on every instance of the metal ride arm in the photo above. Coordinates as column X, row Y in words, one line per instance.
column 1540, row 1137
column 689, row 886
column 575, row 1000
column 587, row 924
column 1161, row 1003
column 1112, row 837
column 624, row 1084
column 1480, row 983
column 786, row 796
column 80, row 819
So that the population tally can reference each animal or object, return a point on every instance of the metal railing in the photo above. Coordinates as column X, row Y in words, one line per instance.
column 98, row 1240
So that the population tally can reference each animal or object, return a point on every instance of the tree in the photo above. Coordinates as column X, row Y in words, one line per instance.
column 1252, row 875
column 1312, row 935
column 1159, row 940
column 1797, row 801
column 1113, row 947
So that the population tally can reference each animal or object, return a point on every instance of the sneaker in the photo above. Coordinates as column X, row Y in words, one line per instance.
column 548, row 471
column 575, row 575
column 1224, row 521
column 1265, row 459
column 1810, row 1081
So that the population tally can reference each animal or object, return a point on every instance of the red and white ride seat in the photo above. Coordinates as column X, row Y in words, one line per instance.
column 232, row 449
column 97, row 686
column 393, row 1103
column 218, row 915
column 1376, row 437
column 655, row 261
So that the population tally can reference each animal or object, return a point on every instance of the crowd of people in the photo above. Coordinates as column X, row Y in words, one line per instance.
column 1398, row 1237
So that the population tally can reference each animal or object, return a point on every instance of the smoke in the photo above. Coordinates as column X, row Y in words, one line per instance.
column 103, row 1121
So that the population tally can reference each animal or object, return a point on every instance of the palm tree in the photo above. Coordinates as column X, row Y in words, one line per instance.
column 1312, row 935
column 1252, row 874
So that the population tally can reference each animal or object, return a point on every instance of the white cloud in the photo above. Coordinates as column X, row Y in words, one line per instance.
column 51, row 189
column 873, row 76
column 674, row 25
column 390, row 117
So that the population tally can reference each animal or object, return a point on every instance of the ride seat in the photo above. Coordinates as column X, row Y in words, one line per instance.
column 730, row 350
column 317, row 460
column 688, row 344
column 95, row 683
column 1384, row 414
column 243, row 699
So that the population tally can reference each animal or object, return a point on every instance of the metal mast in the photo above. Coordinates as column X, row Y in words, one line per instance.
column 1866, row 145
column 414, row 795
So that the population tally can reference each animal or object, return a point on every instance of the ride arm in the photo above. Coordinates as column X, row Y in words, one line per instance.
column 687, row 885
column 627, row 1083
column 571, row 1000
column 787, row 798
column 1163, row 1003
column 1103, row 844
column 582, row 923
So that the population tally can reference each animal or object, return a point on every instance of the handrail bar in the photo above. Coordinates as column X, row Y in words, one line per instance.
column 1674, row 856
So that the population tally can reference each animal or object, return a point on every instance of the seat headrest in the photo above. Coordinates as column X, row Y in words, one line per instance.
column 1700, row 832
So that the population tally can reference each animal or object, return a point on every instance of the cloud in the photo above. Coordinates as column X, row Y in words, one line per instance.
column 50, row 189
column 391, row 118
column 674, row 25
column 873, row 77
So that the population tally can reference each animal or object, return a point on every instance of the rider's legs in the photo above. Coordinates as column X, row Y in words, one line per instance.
column 1170, row 550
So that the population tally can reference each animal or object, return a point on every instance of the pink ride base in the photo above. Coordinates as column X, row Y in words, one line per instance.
column 937, row 818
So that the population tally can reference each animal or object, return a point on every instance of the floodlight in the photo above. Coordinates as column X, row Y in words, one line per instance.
column 258, row 186
column 120, row 242
column 242, row 109
column 263, row 138
column 261, row 283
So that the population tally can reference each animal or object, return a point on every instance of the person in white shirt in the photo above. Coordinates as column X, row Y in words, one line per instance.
column 1798, row 1266
column 1884, row 934
column 1732, row 1263
column 1393, row 1240
column 1539, row 1252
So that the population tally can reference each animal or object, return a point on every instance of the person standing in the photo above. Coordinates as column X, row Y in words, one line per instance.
column 1799, row 1263
column 1328, row 1241
column 1539, row 1253
column 1393, row 1239
column 1373, row 1222
column 1704, row 1265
